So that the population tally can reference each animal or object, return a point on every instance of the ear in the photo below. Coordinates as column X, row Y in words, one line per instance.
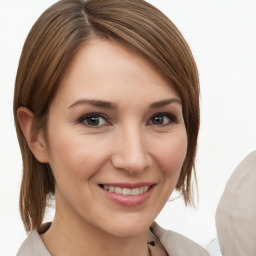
column 35, row 141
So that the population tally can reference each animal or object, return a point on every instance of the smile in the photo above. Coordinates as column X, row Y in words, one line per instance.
column 126, row 191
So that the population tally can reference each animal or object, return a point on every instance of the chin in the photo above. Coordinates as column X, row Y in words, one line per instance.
column 129, row 227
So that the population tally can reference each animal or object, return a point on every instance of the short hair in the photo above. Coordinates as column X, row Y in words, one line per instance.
column 56, row 37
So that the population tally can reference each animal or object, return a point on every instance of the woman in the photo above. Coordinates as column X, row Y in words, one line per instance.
column 107, row 114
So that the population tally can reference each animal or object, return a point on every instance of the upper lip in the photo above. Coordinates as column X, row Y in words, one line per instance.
column 129, row 185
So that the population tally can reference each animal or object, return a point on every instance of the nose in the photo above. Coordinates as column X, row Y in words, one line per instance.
column 131, row 153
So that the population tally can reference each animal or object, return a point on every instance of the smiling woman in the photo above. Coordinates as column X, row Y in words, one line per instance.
column 106, row 109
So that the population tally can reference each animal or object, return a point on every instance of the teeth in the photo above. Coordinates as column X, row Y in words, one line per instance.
column 126, row 191
column 135, row 191
column 106, row 188
column 111, row 189
column 118, row 190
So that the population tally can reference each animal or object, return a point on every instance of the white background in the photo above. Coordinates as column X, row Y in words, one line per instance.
column 222, row 35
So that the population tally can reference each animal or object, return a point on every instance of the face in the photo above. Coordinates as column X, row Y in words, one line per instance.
column 116, row 140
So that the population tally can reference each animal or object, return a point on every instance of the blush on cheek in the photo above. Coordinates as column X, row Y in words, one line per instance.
column 173, row 154
column 77, row 159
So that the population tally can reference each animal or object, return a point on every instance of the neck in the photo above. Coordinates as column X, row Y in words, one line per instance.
column 66, row 237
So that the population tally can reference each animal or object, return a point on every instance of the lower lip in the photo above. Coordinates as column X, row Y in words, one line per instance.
column 128, row 201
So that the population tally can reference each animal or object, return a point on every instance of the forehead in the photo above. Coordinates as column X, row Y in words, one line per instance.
column 104, row 68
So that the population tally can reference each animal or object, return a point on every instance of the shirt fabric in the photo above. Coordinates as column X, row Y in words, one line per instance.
column 214, row 247
column 236, row 212
column 161, row 243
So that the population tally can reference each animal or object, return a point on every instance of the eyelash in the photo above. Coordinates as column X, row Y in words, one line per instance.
column 172, row 119
column 87, row 116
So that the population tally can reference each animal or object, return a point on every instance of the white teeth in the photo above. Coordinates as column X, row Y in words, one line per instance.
column 135, row 191
column 126, row 191
column 118, row 190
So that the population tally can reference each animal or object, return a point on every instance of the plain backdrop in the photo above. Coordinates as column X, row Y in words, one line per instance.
column 222, row 36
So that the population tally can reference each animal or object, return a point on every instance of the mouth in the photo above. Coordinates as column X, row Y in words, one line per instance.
column 128, row 195
column 126, row 191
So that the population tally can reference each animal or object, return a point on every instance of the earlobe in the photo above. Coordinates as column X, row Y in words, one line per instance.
column 35, row 141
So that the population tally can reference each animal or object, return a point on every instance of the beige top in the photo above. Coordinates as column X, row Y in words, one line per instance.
column 236, row 212
column 161, row 243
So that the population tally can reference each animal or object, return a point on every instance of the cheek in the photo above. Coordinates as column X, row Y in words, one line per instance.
column 171, row 154
column 74, row 157
column 169, row 157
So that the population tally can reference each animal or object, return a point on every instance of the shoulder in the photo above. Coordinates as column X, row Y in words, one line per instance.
column 33, row 245
column 176, row 244
column 236, row 211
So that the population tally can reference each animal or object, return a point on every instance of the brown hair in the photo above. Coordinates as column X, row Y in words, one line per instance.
column 56, row 37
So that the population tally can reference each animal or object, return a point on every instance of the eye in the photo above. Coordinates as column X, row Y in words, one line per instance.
column 162, row 119
column 93, row 120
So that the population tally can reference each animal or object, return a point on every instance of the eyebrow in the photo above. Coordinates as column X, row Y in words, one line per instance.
column 96, row 103
column 113, row 106
column 163, row 103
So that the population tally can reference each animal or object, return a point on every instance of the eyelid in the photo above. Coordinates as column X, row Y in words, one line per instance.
column 84, row 117
column 172, row 117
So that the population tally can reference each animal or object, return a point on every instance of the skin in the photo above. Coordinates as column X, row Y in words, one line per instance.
column 129, row 145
